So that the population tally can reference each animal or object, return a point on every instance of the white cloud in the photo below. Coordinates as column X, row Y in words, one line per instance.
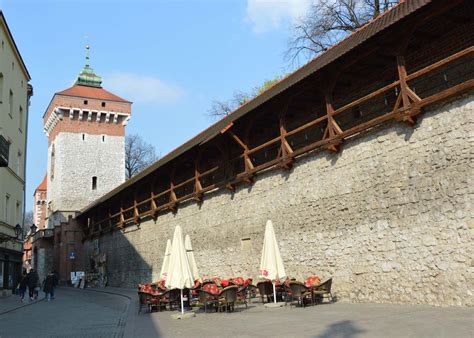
column 142, row 88
column 270, row 14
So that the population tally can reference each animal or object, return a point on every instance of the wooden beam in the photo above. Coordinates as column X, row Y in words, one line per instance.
column 285, row 150
column 247, row 161
column 136, row 214
column 332, row 129
column 197, row 181
column 407, row 95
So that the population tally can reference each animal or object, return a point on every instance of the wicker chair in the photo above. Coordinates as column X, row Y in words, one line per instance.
column 300, row 292
column 168, row 297
column 144, row 299
column 227, row 298
column 243, row 293
column 265, row 288
column 207, row 298
column 324, row 289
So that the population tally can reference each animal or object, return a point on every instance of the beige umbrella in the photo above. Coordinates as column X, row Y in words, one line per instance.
column 166, row 260
column 271, row 264
column 179, row 274
column 192, row 261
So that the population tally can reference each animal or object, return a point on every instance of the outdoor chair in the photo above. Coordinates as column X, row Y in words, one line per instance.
column 265, row 288
column 144, row 299
column 206, row 298
column 242, row 293
column 324, row 289
column 168, row 297
column 227, row 298
column 300, row 292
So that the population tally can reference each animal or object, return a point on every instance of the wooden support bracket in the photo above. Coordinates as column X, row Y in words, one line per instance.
column 248, row 178
column 198, row 195
column 136, row 215
column 285, row 152
column 407, row 98
column 332, row 129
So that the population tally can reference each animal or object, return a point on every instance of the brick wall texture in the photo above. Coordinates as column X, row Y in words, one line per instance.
column 390, row 218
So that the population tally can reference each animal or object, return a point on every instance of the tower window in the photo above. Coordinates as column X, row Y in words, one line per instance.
column 86, row 102
column 83, row 137
column 103, row 104
column 103, row 138
column 94, row 182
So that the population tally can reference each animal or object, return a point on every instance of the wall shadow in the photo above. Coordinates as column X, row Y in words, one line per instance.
column 342, row 329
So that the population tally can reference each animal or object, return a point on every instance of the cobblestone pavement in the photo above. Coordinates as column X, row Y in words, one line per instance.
column 92, row 313
column 74, row 313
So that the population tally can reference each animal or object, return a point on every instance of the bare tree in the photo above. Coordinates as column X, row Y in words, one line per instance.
column 327, row 22
column 28, row 222
column 138, row 155
column 220, row 109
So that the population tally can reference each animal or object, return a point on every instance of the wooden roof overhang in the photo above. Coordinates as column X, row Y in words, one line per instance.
column 418, row 53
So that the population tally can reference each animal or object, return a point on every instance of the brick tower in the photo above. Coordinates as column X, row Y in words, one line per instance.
column 85, row 125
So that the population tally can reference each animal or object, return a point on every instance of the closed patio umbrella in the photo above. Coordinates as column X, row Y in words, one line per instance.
column 192, row 261
column 271, row 264
column 179, row 274
column 166, row 260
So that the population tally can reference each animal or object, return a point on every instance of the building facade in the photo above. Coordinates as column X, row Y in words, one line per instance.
column 85, row 126
column 15, row 93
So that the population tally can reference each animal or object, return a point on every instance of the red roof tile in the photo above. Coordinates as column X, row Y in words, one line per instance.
column 92, row 93
column 44, row 184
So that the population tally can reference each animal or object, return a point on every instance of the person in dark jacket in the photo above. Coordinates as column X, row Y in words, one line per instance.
column 48, row 286
column 33, row 280
column 22, row 286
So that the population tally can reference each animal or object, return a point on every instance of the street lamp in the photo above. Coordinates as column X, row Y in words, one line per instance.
column 18, row 230
column 33, row 228
column 5, row 237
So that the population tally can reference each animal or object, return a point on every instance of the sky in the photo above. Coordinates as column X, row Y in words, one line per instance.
column 171, row 58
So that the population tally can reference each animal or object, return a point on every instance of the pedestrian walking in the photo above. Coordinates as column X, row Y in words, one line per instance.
column 48, row 286
column 33, row 280
column 55, row 283
column 22, row 286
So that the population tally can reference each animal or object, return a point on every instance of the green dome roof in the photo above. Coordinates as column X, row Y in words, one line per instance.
column 87, row 77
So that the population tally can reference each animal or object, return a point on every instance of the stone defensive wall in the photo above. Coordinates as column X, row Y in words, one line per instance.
column 390, row 218
column 362, row 158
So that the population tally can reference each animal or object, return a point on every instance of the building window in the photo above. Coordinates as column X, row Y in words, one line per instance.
column 10, row 102
column 6, row 214
column 51, row 174
column 103, row 138
column 103, row 104
column 94, row 182
column 86, row 102
column 18, row 212
column 83, row 137
column 1, row 88
column 18, row 163
column 21, row 119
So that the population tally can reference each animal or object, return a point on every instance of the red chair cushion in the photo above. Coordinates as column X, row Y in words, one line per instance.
column 211, row 288
column 312, row 281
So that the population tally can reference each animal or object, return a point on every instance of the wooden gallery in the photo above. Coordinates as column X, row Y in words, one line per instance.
column 362, row 159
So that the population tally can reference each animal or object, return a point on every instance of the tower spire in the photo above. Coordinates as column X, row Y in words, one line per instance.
column 87, row 55
column 87, row 77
